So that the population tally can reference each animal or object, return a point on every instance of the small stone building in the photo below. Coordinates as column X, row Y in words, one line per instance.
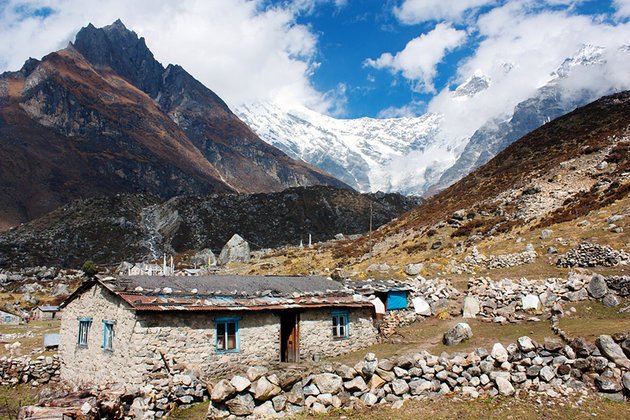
column 8, row 318
column 134, row 328
column 45, row 312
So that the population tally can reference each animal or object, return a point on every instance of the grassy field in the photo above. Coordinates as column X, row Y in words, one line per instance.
column 12, row 398
column 38, row 328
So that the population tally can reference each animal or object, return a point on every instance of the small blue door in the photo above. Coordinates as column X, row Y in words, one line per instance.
column 396, row 299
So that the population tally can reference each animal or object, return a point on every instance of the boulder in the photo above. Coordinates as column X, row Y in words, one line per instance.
column 547, row 373
column 457, row 334
column 530, row 302
column 413, row 269
column 256, row 372
column 421, row 306
column 499, row 353
column 369, row 399
column 612, row 351
column 400, row 387
column 222, row 391
column 265, row 410
column 610, row 300
column 504, row 386
column 204, row 258
column 546, row 233
column 356, row 384
column 597, row 287
column 526, row 344
column 240, row 383
column 218, row 412
column 328, row 383
column 279, row 402
column 471, row 307
column 265, row 390
column 241, row 405
column 235, row 250
column 625, row 380
column 370, row 364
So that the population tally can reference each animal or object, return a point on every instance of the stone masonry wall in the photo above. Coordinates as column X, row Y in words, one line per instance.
column 190, row 339
column 316, row 333
column 93, row 365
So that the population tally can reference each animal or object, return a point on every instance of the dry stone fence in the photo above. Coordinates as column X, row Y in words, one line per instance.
column 550, row 367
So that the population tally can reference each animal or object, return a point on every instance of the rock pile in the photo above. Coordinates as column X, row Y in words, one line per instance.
column 620, row 284
column 525, row 366
column 590, row 255
column 16, row 370
column 477, row 259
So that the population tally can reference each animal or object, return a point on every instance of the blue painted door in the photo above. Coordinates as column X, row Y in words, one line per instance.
column 396, row 300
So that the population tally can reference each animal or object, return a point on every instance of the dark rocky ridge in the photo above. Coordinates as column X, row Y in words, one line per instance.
column 103, row 117
column 133, row 227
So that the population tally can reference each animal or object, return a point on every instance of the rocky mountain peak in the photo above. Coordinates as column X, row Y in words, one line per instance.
column 475, row 84
column 123, row 51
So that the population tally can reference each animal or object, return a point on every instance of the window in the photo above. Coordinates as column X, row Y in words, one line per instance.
column 108, row 335
column 340, row 324
column 227, row 335
column 84, row 330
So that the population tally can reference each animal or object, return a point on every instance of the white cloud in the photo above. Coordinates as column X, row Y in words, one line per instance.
column 622, row 7
column 417, row 11
column 531, row 44
column 419, row 59
column 243, row 50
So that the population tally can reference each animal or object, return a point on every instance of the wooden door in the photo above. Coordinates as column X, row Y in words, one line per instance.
column 290, row 337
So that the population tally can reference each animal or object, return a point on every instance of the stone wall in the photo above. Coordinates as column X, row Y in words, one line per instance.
column 590, row 255
column 148, row 347
column 525, row 366
column 316, row 333
column 476, row 259
column 16, row 370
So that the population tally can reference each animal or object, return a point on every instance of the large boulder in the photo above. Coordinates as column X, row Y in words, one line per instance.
column 499, row 353
column 204, row 258
column 235, row 250
column 612, row 351
column 530, row 302
column 471, row 307
column 504, row 386
column 241, row 405
column 457, row 334
column 222, row 391
column 265, row 390
column 420, row 306
column 328, row 383
column 413, row 269
column 597, row 287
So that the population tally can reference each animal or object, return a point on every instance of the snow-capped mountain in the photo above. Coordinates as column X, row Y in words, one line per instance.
column 419, row 155
column 357, row 151
column 558, row 97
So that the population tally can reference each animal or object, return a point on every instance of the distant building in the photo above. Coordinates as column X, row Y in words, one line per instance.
column 45, row 313
column 131, row 328
column 9, row 318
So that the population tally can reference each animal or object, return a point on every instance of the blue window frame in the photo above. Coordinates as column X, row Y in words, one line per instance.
column 340, row 324
column 84, row 331
column 227, row 333
column 108, row 335
column 397, row 299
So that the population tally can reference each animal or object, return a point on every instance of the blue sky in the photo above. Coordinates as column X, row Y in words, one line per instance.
column 347, row 58
column 358, row 30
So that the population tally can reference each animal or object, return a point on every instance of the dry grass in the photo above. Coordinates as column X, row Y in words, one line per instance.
column 12, row 398
column 29, row 344
column 593, row 319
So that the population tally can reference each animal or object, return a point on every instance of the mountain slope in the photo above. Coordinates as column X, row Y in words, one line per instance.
column 135, row 227
column 102, row 117
column 572, row 175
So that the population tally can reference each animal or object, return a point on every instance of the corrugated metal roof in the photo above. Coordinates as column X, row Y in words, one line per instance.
column 227, row 285
column 214, row 293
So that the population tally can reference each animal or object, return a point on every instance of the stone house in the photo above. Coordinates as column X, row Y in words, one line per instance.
column 45, row 312
column 132, row 329
column 9, row 318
